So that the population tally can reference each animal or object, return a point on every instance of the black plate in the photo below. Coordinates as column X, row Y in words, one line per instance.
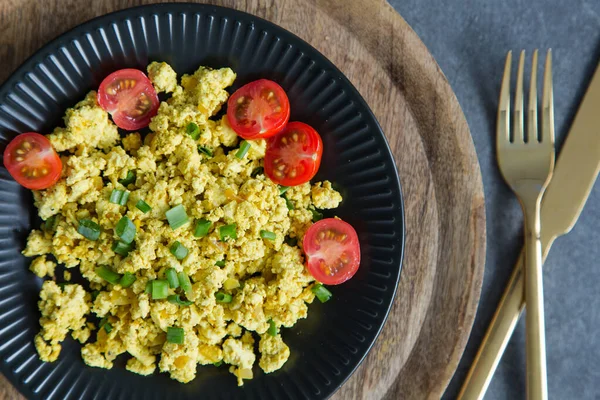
column 327, row 346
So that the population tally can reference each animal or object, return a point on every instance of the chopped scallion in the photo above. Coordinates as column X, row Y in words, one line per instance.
column 185, row 283
column 130, row 178
column 223, row 297
column 244, row 147
column 177, row 216
column 267, row 235
column 228, row 232
column 50, row 223
column 288, row 203
column 272, row 328
column 171, row 276
column 205, row 150
column 321, row 292
column 105, row 324
column 95, row 294
column 176, row 299
column 193, row 130
column 220, row 263
column 125, row 229
column 108, row 327
column 202, row 228
column 121, row 248
column 108, row 275
column 127, row 279
column 175, row 335
column 160, row 289
column 179, row 250
column 257, row 171
column 148, row 287
column 283, row 189
column 316, row 214
column 143, row 206
column 119, row 197
column 89, row 229
column 218, row 363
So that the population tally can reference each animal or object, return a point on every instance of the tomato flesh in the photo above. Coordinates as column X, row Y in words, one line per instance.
column 258, row 110
column 32, row 161
column 293, row 157
column 129, row 97
column 332, row 251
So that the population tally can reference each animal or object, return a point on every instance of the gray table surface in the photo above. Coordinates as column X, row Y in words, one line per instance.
column 469, row 40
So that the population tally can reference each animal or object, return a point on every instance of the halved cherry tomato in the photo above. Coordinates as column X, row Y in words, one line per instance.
column 332, row 251
column 258, row 110
column 32, row 161
column 293, row 157
column 128, row 95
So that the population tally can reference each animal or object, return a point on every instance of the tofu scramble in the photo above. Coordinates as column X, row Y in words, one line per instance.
column 245, row 286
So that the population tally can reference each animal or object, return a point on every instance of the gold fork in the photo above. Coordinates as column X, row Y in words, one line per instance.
column 527, row 162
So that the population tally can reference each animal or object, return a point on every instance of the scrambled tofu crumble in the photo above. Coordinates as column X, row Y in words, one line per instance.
column 266, row 278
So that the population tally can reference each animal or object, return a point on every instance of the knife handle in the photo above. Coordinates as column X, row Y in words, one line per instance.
column 497, row 336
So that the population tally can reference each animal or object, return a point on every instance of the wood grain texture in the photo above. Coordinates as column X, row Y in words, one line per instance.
column 421, row 344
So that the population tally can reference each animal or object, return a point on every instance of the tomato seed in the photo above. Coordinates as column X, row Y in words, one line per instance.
column 19, row 159
column 295, row 137
column 240, row 100
column 284, row 140
column 271, row 94
column 44, row 171
column 20, row 151
column 27, row 145
column 292, row 173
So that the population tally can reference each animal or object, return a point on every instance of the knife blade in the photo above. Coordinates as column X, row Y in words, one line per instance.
column 561, row 206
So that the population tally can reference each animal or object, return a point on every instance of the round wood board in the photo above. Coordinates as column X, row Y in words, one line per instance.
column 430, row 321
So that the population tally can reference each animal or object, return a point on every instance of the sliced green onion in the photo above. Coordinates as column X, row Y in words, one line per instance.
column 102, row 324
column 223, row 297
column 316, row 214
column 202, row 228
column 121, row 248
column 171, row 275
column 272, row 328
column 125, row 229
column 175, row 335
column 179, row 250
column 108, row 327
column 50, row 223
column 283, row 189
column 220, row 263
column 108, row 274
column 257, row 171
column 193, row 130
column 218, row 363
column 127, row 279
column 95, row 294
column 185, row 283
column 321, row 292
column 176, row 299
column 290, row 241
column 119, row 197
column 160, row 289
column 244, row 147
column 130, row 178
column 148, row 287
column 177, row 216
column 89, row 229
column 143, row 206
column 205, row 150
column 288, row 203
column 267, row 235
column 228, row 232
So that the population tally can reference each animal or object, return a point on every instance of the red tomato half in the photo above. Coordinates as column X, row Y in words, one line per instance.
column 128, row 95
column 32, row 162
column 293, row 157
column 332, row 251
column 258, row 110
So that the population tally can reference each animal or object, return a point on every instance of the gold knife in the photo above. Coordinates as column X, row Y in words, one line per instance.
column 561, row 206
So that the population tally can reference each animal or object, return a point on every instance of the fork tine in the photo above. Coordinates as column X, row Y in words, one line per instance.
column 502, row 127
column 532, row 118
column 548, row 103
column 518, row 136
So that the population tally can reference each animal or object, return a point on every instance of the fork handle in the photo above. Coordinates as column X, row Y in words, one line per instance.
column 537, row 386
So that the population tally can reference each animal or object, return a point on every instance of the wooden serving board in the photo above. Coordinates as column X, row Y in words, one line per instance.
column 430, row 321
